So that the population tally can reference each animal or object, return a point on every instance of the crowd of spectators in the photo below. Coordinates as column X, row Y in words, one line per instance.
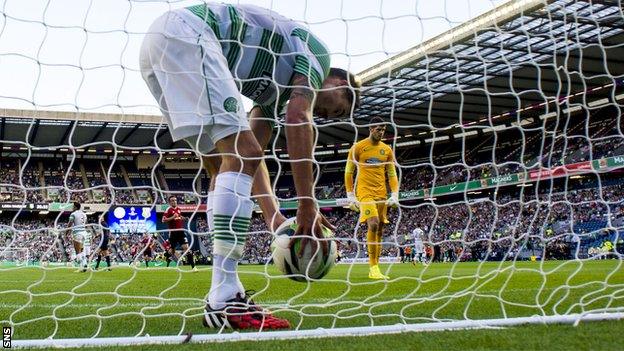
column 417, row 173
column 553, row 222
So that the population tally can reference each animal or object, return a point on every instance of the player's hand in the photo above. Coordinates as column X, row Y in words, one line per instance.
column 310, row 224
column 393, row 200
column 354, row 205
column 276, row 221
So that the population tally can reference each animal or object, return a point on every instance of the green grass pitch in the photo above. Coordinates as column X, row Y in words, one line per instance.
column 125, row 302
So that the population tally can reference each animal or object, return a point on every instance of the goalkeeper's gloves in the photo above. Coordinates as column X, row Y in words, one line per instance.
column 353, row 202
column 393, row 201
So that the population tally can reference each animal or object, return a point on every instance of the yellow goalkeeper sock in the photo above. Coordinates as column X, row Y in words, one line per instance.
column 378, row 239
column 373, row 255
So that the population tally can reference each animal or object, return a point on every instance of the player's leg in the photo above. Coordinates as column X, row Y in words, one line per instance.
column 98, row 252
column 189, row 256
column 211, row 163
column 108, row 259
column 383, row 220
column 168, row 257
column 261, row 186
column 172, row 253
column 371, row 240
column 368, row 214
column 86, row 254
column 78, row 248
column 232, row 213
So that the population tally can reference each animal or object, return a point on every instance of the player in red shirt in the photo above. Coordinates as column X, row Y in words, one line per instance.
column 177, row 237
column 133, row 252
column 147, row 245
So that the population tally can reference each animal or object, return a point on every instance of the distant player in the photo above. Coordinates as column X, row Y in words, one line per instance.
column 167, row 254
column 177, row 237
column 409, row 254
column 134, row 250
column 102, row 249
column 374, row 162
column 80, row 236
column 147, row 247
column 419, row 247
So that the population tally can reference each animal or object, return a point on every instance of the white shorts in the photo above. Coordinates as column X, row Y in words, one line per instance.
column 82, row 237
column 184, row 67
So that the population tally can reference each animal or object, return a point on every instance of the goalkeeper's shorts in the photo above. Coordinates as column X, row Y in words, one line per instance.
column 370, row 208
column 183, row 64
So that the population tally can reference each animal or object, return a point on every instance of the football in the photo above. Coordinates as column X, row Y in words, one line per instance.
column 313, row 264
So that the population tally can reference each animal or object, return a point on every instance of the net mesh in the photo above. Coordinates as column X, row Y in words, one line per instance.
column 507, row 133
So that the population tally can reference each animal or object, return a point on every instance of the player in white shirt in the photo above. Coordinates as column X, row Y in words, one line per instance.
column 198, row 62
column 80, row 236
column 419, row 247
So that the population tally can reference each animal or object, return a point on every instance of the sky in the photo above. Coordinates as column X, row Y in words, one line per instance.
column 82, row 55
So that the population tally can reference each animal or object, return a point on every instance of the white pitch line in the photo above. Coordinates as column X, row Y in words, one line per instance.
column 199, row 302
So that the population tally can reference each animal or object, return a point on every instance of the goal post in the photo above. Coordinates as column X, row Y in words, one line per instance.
column 506, row 132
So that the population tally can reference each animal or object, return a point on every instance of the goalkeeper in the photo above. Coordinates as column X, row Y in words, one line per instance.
column 373, row 160
column 197, row 61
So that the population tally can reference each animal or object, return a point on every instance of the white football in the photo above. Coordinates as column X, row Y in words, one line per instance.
column 313, row 263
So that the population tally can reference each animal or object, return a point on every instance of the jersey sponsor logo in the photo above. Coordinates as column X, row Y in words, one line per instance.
column 230, row 104
column 373, row 161
column 263, row 84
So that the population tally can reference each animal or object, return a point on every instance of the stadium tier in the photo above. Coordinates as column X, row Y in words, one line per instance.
column 474, row 180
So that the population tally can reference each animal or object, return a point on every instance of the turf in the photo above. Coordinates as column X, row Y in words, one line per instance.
column 59, row 303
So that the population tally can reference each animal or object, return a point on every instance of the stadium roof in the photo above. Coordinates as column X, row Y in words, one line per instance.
column 520, row 60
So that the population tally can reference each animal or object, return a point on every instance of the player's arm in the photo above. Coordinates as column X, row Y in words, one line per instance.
column 300, row 143
column 70, row 222
column 167, row 217
column 261, row 187
column 393, row 181
column 348, row 179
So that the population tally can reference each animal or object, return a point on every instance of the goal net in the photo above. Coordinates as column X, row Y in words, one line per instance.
column 505, row 124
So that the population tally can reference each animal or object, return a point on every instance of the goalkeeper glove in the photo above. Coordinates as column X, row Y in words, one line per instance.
column 353, row 202
column 393, row 201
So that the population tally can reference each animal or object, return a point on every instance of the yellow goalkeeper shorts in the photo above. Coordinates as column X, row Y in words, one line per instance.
column 370, row 207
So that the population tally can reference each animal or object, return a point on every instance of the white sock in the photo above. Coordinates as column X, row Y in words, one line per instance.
column 225, row 282
column 232, row 209
column 231, row 215
column 85, row 256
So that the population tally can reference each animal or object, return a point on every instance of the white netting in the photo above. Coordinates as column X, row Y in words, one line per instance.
column 507, row 134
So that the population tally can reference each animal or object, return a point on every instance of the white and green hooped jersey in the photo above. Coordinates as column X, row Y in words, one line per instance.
column 78, row 220
column 264, row 50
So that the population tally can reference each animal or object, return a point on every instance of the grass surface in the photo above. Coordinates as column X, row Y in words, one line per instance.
column 59, row 303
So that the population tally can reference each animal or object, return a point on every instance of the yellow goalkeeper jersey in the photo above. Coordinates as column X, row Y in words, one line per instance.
column 373, row 163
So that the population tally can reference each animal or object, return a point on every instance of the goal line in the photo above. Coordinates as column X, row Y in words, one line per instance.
column 321, row 332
